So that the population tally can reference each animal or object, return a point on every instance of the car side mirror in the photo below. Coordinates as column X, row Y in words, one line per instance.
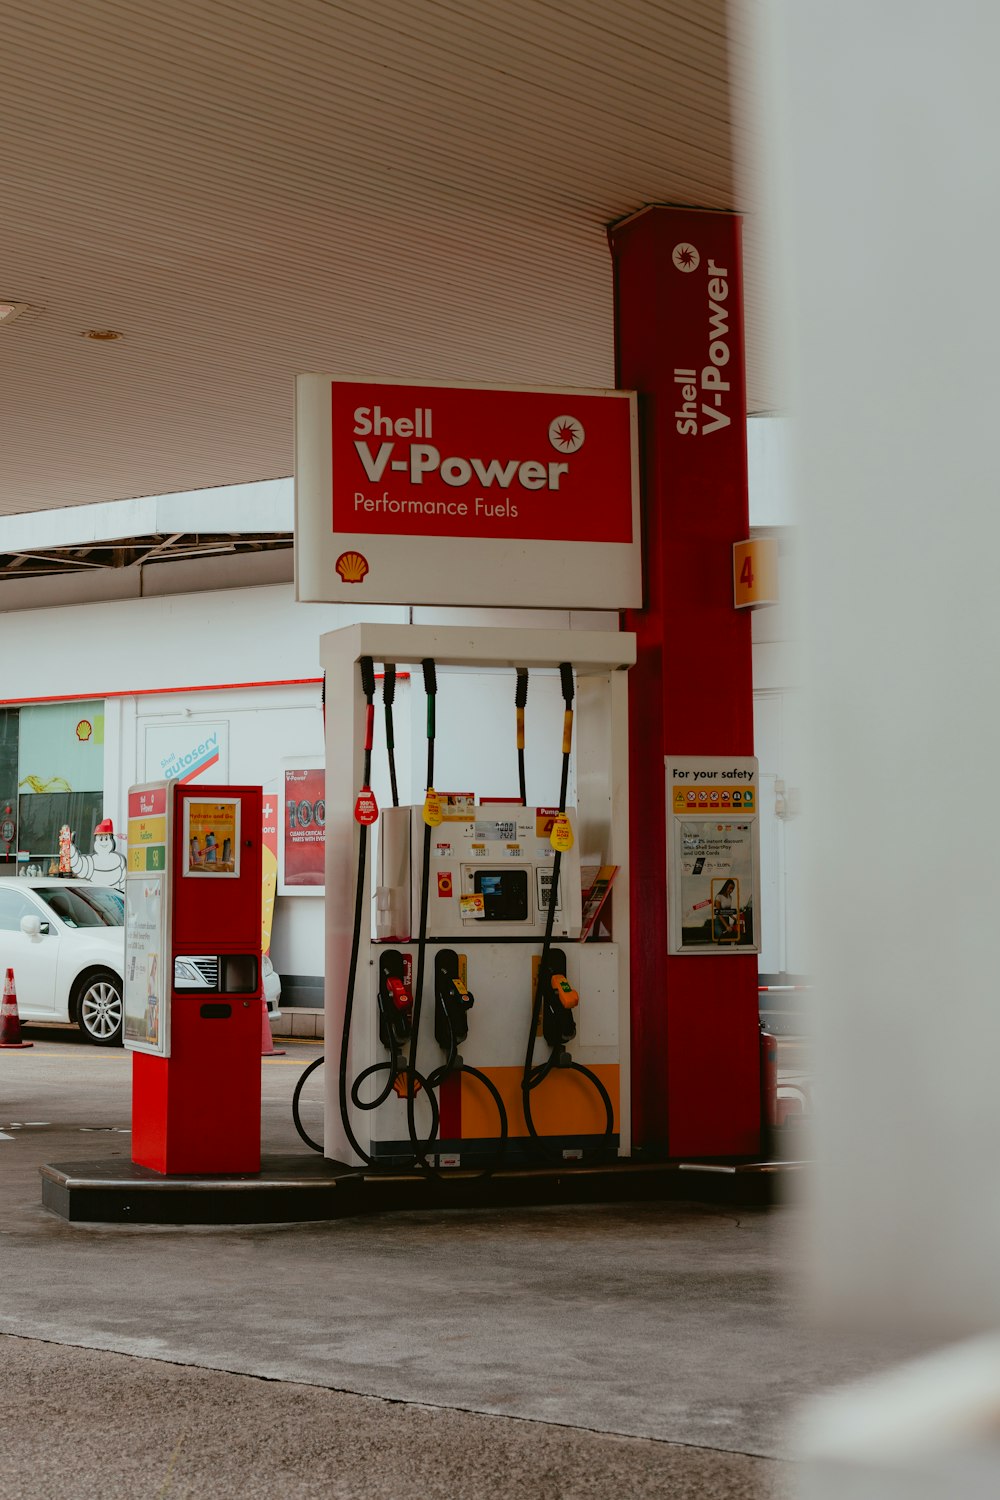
column 34, row 927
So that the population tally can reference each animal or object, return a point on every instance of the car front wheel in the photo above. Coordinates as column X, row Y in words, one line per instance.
column 99, row 1008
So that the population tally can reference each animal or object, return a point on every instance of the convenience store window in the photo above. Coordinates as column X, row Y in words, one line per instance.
column 8, row 784
column 60, row 779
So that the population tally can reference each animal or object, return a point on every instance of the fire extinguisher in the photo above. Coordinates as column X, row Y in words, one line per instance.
column 768, row 1082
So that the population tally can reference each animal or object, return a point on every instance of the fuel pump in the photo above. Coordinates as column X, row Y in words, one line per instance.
column 478, row 910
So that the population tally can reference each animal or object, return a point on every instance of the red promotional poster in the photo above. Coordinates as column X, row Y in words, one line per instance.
column 433, row 461
column 305, row 827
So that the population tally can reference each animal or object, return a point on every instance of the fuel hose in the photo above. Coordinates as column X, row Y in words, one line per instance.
column 520, row 699
column 534, row 1075
column 388, row 699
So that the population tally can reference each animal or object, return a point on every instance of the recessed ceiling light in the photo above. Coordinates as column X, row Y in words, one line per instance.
column 11, row 310
column 101, row 333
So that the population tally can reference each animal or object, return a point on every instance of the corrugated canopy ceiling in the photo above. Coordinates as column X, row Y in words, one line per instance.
column 249, row 188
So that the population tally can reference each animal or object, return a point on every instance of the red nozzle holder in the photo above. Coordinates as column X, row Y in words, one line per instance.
column 398, row 993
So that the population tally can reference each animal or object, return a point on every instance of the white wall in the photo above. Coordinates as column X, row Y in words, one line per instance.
column 778, row 708
column 784, row 914
column 137, row 645
column 772, row 495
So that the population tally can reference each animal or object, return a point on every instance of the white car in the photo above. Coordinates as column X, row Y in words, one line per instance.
column 65, row 941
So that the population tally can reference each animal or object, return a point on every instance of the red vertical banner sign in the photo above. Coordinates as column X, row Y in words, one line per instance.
column 679, row 329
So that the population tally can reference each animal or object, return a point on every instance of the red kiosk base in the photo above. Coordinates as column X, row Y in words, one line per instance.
column 196, row 1111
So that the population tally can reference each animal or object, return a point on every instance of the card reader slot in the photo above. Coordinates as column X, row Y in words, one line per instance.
column 505, row 892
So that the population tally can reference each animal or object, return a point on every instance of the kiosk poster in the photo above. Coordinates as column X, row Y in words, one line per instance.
column 304, row 827
column 211, row 837
column 714, row 854
column 145, row 964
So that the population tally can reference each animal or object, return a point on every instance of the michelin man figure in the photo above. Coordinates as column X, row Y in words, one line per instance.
column 105, row 866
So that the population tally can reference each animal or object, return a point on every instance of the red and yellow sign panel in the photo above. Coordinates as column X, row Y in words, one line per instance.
column 147, row 829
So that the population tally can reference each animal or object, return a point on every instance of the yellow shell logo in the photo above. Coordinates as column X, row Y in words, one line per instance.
column 351, row 566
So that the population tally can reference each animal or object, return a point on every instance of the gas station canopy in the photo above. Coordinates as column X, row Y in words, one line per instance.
column 243, row 191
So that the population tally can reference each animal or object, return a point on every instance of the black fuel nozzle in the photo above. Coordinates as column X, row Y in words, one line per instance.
column 395, row 1002
column 367, row 677
column 559, row 1000
column 452, row 1002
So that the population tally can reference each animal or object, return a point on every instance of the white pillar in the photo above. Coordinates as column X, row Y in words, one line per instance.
column 884, row 141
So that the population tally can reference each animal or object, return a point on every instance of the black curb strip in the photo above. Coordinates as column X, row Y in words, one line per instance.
column 298, row 1190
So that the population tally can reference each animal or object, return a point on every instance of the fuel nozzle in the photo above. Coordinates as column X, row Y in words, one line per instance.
column 567, row 996
column 395, row 1002
column 399, row 994
column 559, row 1000
column 452, row 1002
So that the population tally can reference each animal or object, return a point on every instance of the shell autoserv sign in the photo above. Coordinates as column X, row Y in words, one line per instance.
column 466, row 495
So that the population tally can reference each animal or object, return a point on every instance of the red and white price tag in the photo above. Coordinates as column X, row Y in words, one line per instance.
column 366, row 808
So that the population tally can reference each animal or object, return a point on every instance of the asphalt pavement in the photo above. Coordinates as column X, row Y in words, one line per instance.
column 647, row 1349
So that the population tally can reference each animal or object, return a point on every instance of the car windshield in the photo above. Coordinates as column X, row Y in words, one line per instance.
column 84, row 906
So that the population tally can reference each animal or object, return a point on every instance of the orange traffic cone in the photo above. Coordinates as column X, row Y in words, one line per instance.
column 267, row 1047
column 10, row 1021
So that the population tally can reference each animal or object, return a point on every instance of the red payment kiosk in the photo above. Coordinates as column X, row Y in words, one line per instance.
column 193, row 976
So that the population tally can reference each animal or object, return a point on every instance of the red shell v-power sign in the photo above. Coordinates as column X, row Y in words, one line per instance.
column 466, row 495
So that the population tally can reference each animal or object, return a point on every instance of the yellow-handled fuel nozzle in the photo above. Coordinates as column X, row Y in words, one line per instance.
column 565, row 993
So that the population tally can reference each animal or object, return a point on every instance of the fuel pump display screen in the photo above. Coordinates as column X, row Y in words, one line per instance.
column 505, row 894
